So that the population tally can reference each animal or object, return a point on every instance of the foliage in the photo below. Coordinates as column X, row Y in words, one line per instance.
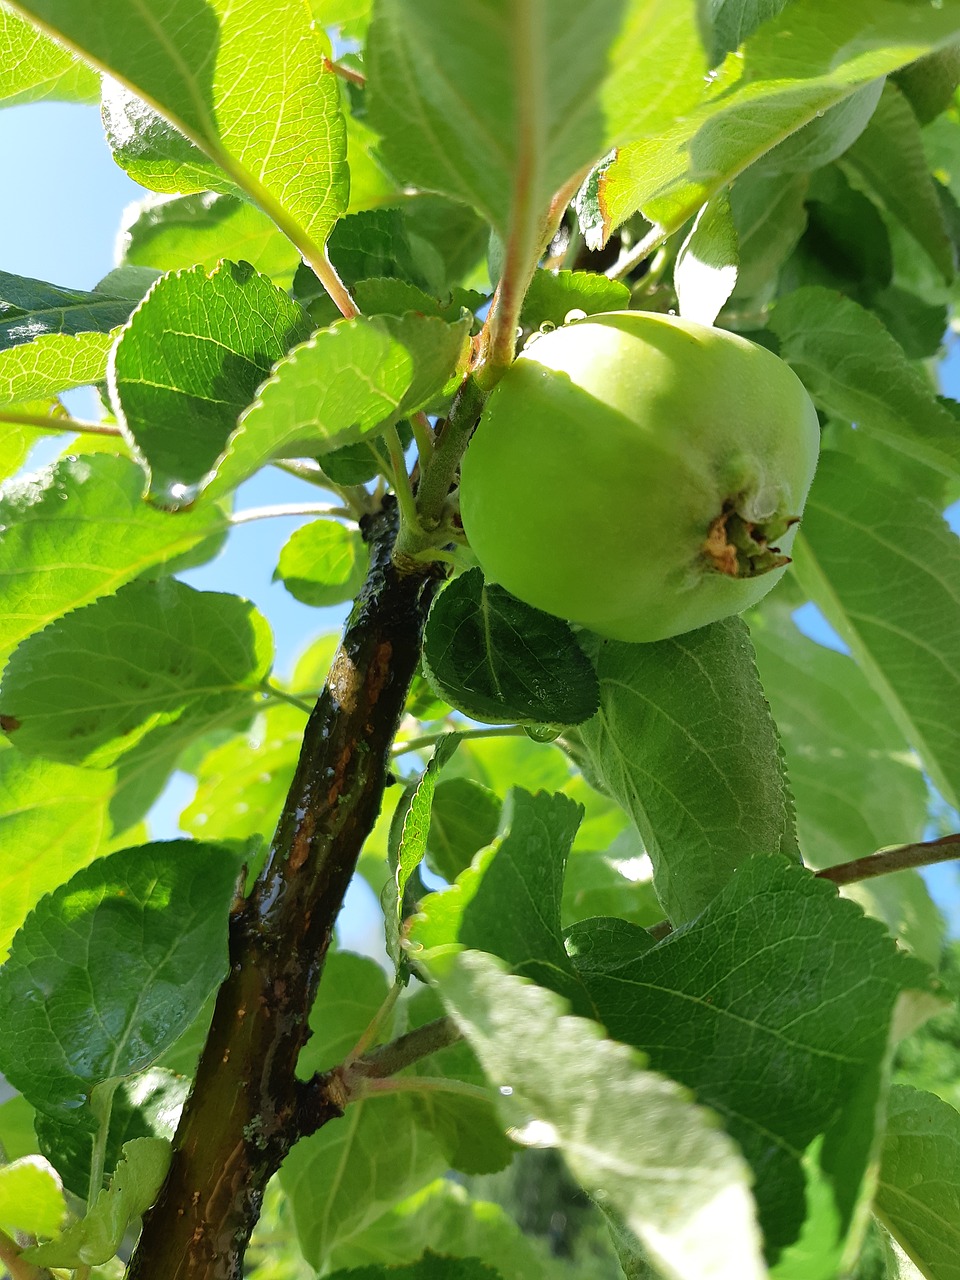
column 623, row 1021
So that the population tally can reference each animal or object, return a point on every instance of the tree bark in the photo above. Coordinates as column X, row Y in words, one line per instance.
column 244, row 1112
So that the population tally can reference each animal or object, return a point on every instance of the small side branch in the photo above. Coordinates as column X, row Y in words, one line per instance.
column 327, row 1095
column 407, row 1049
column 345, row 73
column 902, row 857
column 18, row 1267
column 48, row 422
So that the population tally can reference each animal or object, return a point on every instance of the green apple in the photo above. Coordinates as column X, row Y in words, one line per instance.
column 640, row 474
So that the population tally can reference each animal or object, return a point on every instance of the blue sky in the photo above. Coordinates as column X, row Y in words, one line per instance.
column 61, row 227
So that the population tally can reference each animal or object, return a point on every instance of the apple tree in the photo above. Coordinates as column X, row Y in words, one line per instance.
column 602, row 341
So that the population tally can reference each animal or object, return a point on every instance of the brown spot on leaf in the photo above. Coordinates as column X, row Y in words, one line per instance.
column 9, row 723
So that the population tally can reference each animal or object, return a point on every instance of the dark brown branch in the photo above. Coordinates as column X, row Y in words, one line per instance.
column 903, row 857
column 243, row 1114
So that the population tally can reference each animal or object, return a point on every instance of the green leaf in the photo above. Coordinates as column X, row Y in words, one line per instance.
column 347, row 382
column 31, row 1197
column 109, row 969
column 497, row 762
column 190, row 360
column 629, row 1136
column 31, row 309
column 335, row 13
column 499, row 660
column 804, row 61
column 854, row 369
column 17, row 1137
column 918, row 326
column 928, row 1057
column 663, row 706
column 392, row 297
column 432, row 1266
column 146, row 1106
column 33, row 68
column 769, row 214
column 859, row 536
column 128, row 281
column 416, row 822
column 323, row 563
column 734, row 20
column 17, row 439
column 929, row 83
column 53, row 820
column 143, row 771
column 846, row 245
column 97, row 1237
column 53, row 363
column 199, row 230
column 447, row 239
column 375, row 244
column 241, row 784
column 826, row 136
column 508, row 901
column 152, row 653
column 246, row 83
column 856, row 785
column 370, row 184
column 612, row 883
column 77, row 530
column 443, row 1216
column 428, row 241
column 468, row 1129
column 816, row 983
column 705, row 272
column 919, row 1184
column 553, row 293
column 151, row 151
column 337, row 1180
column 465, row 817
column 889, row 159
column 501, row 104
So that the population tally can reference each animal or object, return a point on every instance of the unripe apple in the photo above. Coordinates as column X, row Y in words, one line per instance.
column 640, row 474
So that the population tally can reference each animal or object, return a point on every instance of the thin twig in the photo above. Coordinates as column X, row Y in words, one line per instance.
column 428, row 739
column 345, row 73
column 626, row 263
column 354, row 497
column 902, row 857
column 292, row 509
column 407, row 1049
column 49, row 423
column 409, row 516
column 372, row 1029
column 281, row 694
column 438, row 474
column 423, row 435
column 17, row 1266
